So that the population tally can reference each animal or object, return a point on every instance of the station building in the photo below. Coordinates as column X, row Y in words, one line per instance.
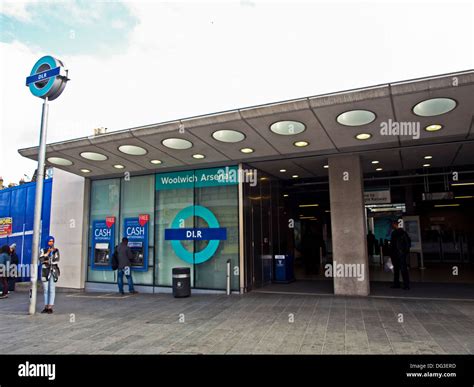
column 297, row 182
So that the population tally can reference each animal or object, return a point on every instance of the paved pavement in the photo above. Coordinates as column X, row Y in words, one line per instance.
column 255, row 323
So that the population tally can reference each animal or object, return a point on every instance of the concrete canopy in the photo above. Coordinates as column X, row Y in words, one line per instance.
column 391, row 103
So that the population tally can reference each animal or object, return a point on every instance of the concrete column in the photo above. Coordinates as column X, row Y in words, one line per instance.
column 67, row 224
column 348, row 224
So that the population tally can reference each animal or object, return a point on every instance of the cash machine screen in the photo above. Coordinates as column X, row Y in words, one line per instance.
column 102, row 254
column 137, row 253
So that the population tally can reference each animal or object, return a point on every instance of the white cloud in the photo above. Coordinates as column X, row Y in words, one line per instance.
column 189, row 59
column 16, row 9
column 118, row 24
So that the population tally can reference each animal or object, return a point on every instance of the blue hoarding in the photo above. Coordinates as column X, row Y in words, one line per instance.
column 19, row 204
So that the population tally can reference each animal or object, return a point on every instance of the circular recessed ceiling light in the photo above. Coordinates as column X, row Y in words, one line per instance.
column 295, row 176
column 199, row 156
column 433, row 128
column 326, row 166
column 59, row 161
column 246, row 150
column 426, row 165
column 301, row 144
column 363, row 136
column 375, row 162
column 434, row 107
column 156, row 162
column 85, row 170
column 379, row 169
column 94, row 156
column 177, row 143
column 226, row 135
column 119, row 166
column 428, row 157
column 287, row 128
column 356, row 117
column 132, row 150
column 282, row 170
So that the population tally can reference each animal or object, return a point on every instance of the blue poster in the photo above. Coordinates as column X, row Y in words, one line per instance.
column 136, row 230
column 103, row 238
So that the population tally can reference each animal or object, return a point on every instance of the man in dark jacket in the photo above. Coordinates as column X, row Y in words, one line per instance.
column 370, row 244
column 400, row 248
column 13, row 261
column 124, row 266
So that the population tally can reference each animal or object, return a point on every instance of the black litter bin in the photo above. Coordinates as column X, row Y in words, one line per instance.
column 181, row 282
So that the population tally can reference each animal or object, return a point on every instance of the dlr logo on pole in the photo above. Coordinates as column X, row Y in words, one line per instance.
column 135, row 231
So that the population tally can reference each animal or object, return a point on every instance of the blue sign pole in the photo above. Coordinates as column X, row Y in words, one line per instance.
column 38, row 203
column 47, row 82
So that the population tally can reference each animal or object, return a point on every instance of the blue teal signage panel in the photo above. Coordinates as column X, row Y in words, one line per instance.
column 196, row 234
column 175, row 180
column 214, row 233
column 47, row 78
column 199, row 178
column 42, row 76
column 213, row 177
column 136, row 230
column 103, row 239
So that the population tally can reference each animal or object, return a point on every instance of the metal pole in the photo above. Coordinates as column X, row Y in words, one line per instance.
column 381, row 255
column 228, row 278
column 38, row 206
column 421, row 261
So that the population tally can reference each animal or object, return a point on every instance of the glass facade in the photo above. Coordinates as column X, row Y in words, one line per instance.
column 168, row 203
column 221, row 201
column 137, row 198
column 105, row 202
column 192, row 221
column 264, row 220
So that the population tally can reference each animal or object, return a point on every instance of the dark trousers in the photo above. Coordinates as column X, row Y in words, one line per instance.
column 11, row 284
column 4, row 281
column 400, row 265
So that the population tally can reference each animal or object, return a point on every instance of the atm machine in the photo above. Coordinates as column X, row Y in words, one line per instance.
column 137, row 253
column 136, row 231
column 102, row 254
column 102, row 244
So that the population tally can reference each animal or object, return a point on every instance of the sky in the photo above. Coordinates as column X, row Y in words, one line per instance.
column 136, row 63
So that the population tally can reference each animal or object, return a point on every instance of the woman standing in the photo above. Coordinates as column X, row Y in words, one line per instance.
column 49, row 258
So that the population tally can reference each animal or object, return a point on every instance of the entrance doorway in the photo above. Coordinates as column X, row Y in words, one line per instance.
column 288, row 220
